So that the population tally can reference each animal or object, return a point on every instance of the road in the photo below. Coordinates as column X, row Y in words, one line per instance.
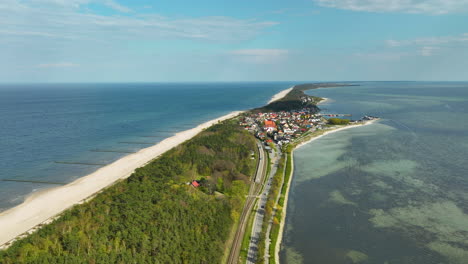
column 255, row 187
column 270, row 221
column 260, row 212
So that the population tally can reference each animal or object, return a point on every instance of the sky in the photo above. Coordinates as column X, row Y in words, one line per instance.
column 241, row 40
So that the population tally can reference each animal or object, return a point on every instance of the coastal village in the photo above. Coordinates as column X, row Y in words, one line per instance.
column 284, row 126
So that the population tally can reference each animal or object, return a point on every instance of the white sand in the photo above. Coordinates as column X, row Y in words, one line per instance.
column 325, row 100
column 41, row 207
column 280, row 95
column 336, row 130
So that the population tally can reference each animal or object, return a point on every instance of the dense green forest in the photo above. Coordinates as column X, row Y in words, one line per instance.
column 154, row 216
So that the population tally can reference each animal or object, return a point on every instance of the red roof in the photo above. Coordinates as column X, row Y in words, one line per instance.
column 269, row 123
column 195, row 184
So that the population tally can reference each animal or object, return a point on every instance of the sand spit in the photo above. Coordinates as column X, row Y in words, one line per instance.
column 279, row 95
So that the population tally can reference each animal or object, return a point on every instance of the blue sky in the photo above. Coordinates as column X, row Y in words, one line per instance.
column 215, row 40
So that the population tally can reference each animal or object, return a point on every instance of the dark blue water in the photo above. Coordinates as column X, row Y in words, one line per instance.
column 41, row 124
column 395, row 192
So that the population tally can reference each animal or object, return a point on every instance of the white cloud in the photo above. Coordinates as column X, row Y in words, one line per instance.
column 58, row 65
column 428, row 46
column 76, row 4
column 381, row 56
column 430, row 41
column 404, row 6
column 260, row 56
column 116, row 6
column 66, row 19
column 427, row 51
column 260, row 52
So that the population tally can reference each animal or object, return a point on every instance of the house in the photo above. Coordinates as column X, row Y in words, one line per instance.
column 195, row 184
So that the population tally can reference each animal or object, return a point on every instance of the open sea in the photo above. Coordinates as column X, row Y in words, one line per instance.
column 394, row 192
column 41, row 124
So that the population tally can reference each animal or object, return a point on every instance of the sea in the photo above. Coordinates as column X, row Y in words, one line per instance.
column 53, row 134
column 394, row 192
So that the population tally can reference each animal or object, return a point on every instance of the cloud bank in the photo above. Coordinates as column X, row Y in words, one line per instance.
column 436, row 7
column 430, row 45
column 260, row 56
column 72, row 19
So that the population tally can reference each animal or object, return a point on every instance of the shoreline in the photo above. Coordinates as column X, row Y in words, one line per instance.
column 42, row 207
column 334, row 131
column 286, row 198
column 325, row 100
column 279, row 95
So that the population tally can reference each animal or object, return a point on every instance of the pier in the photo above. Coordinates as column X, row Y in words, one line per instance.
column 335, row 115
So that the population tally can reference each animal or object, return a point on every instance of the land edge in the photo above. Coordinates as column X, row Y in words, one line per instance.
column 280, row 95
column 15, row 233
column 41, row 213
column 279, row 241
column 38, row 206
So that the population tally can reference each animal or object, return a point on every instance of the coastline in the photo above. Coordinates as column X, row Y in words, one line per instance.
column 334, row 131
column 325, row 100
column 279, row 95
column 286, row 198
column 44, row 206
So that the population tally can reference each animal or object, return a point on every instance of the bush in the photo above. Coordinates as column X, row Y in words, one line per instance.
column 338, row 121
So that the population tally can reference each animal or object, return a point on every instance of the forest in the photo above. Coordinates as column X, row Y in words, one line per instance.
column 155, row 216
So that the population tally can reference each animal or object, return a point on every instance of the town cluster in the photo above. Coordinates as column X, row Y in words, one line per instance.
column 281, row 127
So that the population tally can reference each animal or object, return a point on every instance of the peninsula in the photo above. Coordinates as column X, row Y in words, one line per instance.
column 185, row 199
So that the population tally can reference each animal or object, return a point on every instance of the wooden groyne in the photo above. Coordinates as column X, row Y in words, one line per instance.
column 114, row 151
column 32, row 181
column 138, row 143
column 80, row 163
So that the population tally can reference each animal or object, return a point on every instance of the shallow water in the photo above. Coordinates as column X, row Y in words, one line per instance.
column 41, row 124
column 392, row 192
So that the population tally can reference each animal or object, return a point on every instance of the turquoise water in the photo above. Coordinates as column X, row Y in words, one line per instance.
column 394, row 192
column 41, row 124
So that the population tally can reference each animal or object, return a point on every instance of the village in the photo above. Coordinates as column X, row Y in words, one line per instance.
column 284, row 126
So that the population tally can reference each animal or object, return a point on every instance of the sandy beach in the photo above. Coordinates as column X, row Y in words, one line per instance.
column 334, row 131
column 280, row 95
column 325, row 100
column 41, row 207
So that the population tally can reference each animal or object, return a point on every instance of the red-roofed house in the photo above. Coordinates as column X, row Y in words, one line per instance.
column 195, row 184
column 270, row 126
